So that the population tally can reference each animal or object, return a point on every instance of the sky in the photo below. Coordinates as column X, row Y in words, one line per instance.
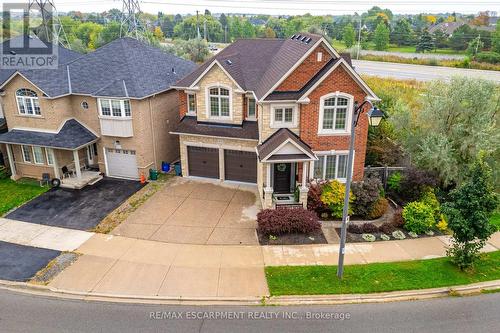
column 283, row 7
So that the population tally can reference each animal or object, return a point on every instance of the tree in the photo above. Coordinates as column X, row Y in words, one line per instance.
column 403, row 33
column 475, row 46
column 88, row 33
column 349, row 35
column 223, row 20
column 425, row 42
column 110, row 32
column 461, row 37
column 381, row 37
column 468, row 212
column 269, row 33
column 495, row 42
column 158, row 33
column 440, row 38
column 455, row 121
column 195, row 49
column 167, row 26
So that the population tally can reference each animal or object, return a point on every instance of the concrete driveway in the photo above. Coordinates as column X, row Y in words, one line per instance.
column 196, row 212
column 76, row 209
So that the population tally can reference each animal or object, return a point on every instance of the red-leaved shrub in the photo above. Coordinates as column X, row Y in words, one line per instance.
column 354, row 228
column 387, row 228
column 286, row 221
column 369, row 228
column 397, row 218
column 314, row 202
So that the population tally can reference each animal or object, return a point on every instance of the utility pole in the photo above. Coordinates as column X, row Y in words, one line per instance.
column 359, row 39
column 477, row 43
column 129, row 25
column 205, row 30
column 198, row 26
column 51, row 28
column 225, row 33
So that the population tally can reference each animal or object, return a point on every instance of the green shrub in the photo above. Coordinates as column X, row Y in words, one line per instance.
column 394, row 181
column 429, row 198
column 4, row 172
column 378, row 208
column 333, row 197
column 489, row 57
column 366, row 195
column 418, row 217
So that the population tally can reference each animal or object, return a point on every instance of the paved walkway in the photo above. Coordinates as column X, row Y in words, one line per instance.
column 134, row 267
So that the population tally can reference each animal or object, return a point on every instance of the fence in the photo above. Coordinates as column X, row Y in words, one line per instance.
column 384, row 172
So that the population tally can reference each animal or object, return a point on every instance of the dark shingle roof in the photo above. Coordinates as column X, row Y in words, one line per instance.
column 247, row 130
column 71, row 136
column 257, row 64
column 124, row 67
column 278, row 137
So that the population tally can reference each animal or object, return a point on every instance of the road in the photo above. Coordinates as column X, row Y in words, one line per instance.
column 29, row 313
column 415, row 55
column 419, row 72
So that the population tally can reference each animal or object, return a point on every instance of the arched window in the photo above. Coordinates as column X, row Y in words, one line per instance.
column 27, row 102
column 335, row 114
column 219, row 98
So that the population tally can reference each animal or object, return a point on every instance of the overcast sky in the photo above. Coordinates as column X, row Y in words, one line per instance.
column 276, row 7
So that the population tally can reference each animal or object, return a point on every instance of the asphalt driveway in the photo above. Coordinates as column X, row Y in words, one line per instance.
column 20, row 263
column 77, row 209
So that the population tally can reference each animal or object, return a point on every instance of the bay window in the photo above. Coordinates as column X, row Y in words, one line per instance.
column 114, row 108
column 219, row 102
column 27, row 102
column 331, row 167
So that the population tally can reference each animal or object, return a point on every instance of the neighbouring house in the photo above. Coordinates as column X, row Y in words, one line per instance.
column 274, row 112
column 109, row 111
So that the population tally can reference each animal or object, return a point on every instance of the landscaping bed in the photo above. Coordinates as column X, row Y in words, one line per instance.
column 315, row 237
column 378, row 277
column 356, row 238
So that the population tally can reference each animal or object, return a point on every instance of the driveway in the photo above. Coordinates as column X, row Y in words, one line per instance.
column 20, row 263
column 77, row 209
column 196, row 212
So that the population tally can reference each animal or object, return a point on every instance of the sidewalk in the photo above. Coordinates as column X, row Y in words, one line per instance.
column 114, row 265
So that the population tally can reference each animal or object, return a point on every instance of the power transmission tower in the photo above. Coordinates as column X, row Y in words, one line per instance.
column 129, row 25
column 51, row 28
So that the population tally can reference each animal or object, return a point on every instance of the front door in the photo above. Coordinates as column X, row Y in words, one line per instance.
column 282, row 177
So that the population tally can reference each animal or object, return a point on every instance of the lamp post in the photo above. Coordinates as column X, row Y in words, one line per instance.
column 374, row 117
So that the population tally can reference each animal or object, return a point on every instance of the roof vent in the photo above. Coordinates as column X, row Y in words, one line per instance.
column 303, row 38
column 298, row 37
column 293, row 37
column 173, row 70
column 229, row 62
column 308, row 40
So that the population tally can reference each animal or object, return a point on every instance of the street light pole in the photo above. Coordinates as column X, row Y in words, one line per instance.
column 376, row 115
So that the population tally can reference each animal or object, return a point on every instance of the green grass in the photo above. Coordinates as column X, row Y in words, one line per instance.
column 379, row 277
column 14, row 194
column 495, row 220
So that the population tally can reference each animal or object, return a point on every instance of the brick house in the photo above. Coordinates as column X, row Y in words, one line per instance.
column 107, row 112
column 275, row 112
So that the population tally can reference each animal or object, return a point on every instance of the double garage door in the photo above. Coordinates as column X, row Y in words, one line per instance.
column 238, row 165
column 122, row 163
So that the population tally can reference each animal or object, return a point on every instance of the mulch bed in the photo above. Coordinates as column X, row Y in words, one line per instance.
column 294, row 239
column 356, row 238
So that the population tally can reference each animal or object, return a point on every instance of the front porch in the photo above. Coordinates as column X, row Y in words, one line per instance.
column 87, row 177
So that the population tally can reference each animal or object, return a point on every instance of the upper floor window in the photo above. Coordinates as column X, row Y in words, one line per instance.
column 114, row 108
column 219, row 102
column 334, row 116
column 191, row 99
column 251, row 108
column 284, row 116
column 27, row 102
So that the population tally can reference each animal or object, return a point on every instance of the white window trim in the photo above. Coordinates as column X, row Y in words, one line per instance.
column 254, row 117
column 31, row 100
column 349, row 114
column 49, row 151
column 335, row 153
column 122, row 108
column 283, row 124
column 34, row 155
column 207, row 101
column 23, row 151
column 191, row 112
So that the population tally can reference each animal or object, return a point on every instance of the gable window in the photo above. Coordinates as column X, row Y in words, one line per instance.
column 38, row 155
column 191, row 104
column 26, row 154
column 116, row 108
column 319, row 56
column 251, row 108
column 283, row 116
column 219, row 102
column 49, row 154
column 334, row 116
column 27, row 102
column 331, row 167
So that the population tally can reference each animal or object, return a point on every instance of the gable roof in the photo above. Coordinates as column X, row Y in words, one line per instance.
column 279, row 138
column 124, row 67
column 258, row 64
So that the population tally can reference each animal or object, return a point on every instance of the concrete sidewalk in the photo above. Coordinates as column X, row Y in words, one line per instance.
column 120, row 266
column 42, row 236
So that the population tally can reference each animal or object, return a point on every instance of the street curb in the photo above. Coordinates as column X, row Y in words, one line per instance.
column 394, row 296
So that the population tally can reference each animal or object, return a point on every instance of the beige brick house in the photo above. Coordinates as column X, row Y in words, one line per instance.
column 273, row 112
column 107, row 112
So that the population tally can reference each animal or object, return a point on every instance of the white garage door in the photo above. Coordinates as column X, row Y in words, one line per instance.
column 122, row 163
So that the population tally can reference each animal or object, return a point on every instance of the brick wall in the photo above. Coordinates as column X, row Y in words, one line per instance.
column 306, row 70
column 338, row 80
column 183, row 107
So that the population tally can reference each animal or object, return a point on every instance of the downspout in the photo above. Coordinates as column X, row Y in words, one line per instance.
column 152, row 131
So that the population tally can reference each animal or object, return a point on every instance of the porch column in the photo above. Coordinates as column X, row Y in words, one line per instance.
column 76, row 159
column 11, row 161
column 304, row 189
column 304, row 174
column 57, row 174
column 268, row 190
column 268, row 176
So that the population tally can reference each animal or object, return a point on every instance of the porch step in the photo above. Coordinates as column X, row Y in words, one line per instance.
column 92, row 182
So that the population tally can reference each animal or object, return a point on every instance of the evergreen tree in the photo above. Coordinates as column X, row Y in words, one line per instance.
column 223, row 20
column 495, row 41
column 403, row 33
column 349, row 35
column 425, row 42
column 381, row 37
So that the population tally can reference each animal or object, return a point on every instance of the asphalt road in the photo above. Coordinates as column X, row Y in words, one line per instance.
column 27, row 313
column 419, row 72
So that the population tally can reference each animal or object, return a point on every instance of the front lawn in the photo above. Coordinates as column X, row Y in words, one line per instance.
column 379, row 277
column 14, row 194
column 495, row 220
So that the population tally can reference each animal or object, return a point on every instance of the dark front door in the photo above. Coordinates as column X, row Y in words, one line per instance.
column 282, row 175
column 203, row 162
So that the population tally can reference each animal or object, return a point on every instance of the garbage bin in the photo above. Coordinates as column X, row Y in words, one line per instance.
column 178, row 169
column 153, row 174
column 165, row 166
